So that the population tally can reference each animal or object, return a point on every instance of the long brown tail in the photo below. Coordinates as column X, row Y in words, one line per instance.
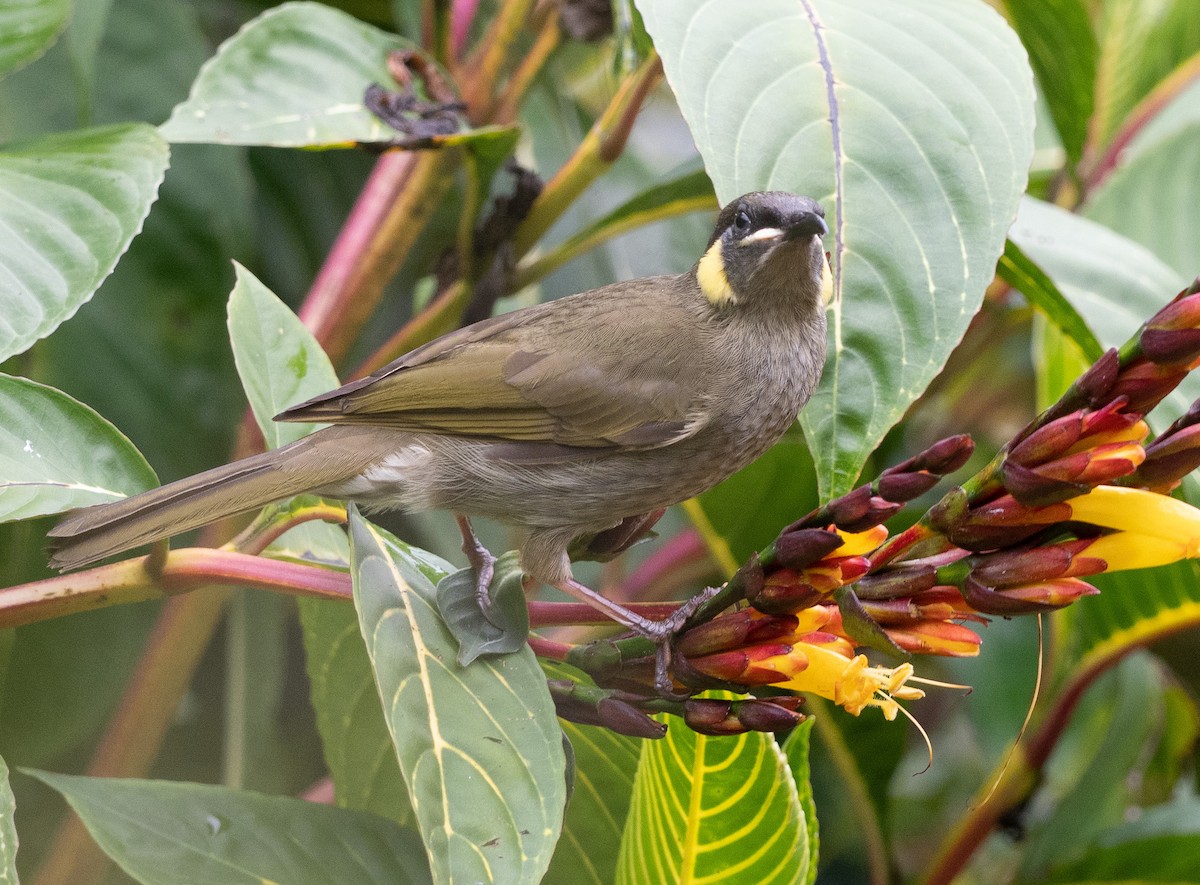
column 320, row 460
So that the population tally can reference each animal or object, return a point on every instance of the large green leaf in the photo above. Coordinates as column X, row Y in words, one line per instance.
column 1159, row 846
column 479, row 746
column 1141, row 43
column 293, row 77
column 56, row 453
column 27, row 28
column 795, row 748
column 69, row 206
column 8, row 829
column 1094, row 792
column 604, row 766
column 165, row 833
column 358, row 748
column 714, row 809
column 1063, row 52
column 913, row 123
column 1155, row 200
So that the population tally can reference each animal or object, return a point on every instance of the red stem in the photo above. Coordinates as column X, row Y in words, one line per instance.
column 341, row 274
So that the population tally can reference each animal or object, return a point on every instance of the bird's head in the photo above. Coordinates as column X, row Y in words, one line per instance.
column 764, row 243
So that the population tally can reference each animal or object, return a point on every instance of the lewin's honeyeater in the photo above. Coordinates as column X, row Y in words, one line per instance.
column 560, row 420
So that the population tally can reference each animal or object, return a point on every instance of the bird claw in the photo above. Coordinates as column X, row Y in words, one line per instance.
column 481, row 561
column 662, row 634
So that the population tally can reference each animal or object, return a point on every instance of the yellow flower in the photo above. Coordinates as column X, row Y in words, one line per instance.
column 852, row 683
column 1151, row 529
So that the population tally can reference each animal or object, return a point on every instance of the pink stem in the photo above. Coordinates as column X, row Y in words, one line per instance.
column 462, row 15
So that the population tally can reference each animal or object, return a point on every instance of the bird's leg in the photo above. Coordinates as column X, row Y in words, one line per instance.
column 659, row 632
column 480, row 559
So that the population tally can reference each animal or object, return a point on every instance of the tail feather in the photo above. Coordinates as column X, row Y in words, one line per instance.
column 93, row 533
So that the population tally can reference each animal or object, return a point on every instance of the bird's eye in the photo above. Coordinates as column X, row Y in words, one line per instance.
column 741, row 222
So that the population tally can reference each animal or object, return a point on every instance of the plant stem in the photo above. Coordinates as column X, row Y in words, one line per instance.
column 490, row 58
column 598, row 150
column 390, row 215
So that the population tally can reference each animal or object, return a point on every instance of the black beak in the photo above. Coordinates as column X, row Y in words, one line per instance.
column 805, row 225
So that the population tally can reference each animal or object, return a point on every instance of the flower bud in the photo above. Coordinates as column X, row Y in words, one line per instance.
column 769, row 714
column 1172, row 336
column 1047, row 563
column 1004, row 522
column 946, row 455
column 937, row 604
column 1171, row 457
column 901, row 487
column 733, row 630
column 936, row 638
column 624, row 718
column 799, row 548
column 1095, row 385
column 903, row 580
column 753, row 665
column 1028, row 599
column 711, row 716
column 1146, row 383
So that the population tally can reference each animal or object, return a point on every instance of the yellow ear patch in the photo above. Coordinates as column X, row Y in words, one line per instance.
column 711, row 276
column 826, row 282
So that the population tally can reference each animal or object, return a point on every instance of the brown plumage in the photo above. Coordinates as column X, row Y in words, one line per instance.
column 561, row 419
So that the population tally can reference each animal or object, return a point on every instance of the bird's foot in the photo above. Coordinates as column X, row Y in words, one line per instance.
column 661, row 633
column 481, row 561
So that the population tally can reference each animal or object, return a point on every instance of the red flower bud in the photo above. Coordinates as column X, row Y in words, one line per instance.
column 733, row 630
column 769, row 714
column 903, row 580
column 1147, row 383
column 1048, row 563
column 901, row 487
column 936, row 638
column 802, row 547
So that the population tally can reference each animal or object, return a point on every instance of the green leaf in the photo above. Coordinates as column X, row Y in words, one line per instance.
column 1159, row 846
column 605, row 763
column 358, row 748
column 57, row 454
column 279, row 361
column 913, row 123
column 8, row 830
column 1154, row 201
column 795, row 749
column 1022, row 273
column 69, row 206
column 1121, row 724
column 280, row 364
column 1063, row 53
column 28, row 28
column 503, row 628
column 1133, row 608
column 164, row 833
column 479, row 746
column 1141, row 43
column 293, row 77
column 714, row 808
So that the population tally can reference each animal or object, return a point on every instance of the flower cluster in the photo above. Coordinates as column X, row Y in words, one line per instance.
column 1078, row 492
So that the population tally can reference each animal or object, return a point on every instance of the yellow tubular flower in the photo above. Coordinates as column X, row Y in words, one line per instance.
column 1140, row 512
column 1125, row 551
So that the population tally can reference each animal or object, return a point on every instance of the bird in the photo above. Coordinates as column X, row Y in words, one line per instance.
column 560, row 420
